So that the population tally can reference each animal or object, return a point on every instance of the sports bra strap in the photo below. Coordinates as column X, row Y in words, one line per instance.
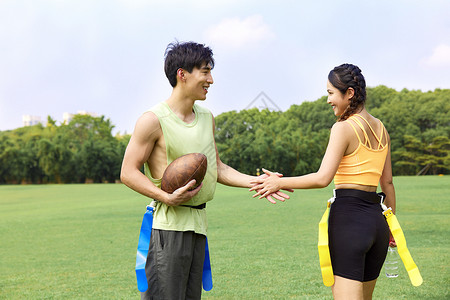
column 356, row 132
column 366, row 137
column 383, row 130
column 378, row 138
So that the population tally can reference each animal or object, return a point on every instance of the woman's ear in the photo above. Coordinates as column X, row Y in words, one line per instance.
column 350, row 93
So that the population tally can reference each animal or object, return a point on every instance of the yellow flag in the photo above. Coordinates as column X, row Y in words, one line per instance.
column 324, row 251
column 396, row 230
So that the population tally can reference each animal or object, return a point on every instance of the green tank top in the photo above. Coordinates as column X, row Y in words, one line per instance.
column 180, row 139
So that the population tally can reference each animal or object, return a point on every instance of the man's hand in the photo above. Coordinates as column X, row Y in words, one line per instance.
column 280, row 196
column 183, row 194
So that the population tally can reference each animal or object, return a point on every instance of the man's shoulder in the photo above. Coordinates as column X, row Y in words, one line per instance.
column 159, row 109
column 147, row 122
column 149, row 116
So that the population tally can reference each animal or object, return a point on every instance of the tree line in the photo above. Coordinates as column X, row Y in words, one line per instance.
column 84, row 150
column 291, row 142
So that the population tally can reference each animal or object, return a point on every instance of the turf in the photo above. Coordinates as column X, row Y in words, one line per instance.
column 79, row 242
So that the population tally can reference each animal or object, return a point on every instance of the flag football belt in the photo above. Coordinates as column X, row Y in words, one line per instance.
column 324, row 252
column 143, row 246
column 201, row 206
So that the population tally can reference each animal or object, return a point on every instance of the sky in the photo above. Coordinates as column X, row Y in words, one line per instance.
column 107, row 56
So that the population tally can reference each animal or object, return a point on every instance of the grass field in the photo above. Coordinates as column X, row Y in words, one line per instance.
column 79, row 242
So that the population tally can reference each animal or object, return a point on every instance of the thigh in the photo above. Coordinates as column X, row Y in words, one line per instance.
column 155, row 288
column 194, row 285
column 349, row 240
column 368, row 288
column 377, row 254
column 347, row 289
column 168, row 264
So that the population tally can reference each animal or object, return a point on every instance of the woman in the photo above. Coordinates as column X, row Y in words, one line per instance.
column 358, row 158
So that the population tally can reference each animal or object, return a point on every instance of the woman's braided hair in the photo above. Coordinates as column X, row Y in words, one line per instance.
column 348, row 76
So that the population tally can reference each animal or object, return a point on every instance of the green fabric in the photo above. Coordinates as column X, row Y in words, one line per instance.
column 180, row 139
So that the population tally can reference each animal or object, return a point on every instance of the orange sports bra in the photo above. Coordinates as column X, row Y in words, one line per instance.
column 364, row 165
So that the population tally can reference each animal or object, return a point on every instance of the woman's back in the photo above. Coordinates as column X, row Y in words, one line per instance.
column 364, row 159
column 370, row 130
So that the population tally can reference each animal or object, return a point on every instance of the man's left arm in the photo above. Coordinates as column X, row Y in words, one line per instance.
column 231, row 177
column 228, row 176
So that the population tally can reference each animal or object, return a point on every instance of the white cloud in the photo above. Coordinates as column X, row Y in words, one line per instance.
column 237, row 33
column 439, row 58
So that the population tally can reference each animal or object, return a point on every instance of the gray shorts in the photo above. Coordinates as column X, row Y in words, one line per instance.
column 174, row 265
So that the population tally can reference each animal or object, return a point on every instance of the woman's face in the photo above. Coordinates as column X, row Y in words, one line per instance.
column 338, row 101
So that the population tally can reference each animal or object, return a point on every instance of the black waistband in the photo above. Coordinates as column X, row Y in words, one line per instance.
column 201, row 206
column 371, row 196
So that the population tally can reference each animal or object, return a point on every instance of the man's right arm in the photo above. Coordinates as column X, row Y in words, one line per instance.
column 142, row 143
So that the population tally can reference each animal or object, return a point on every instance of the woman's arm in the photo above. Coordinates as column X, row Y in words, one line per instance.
column 386, row 181
column 339, row 141
column 387, row 186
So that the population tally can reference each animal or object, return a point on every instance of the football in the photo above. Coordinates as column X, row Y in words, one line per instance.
column 182, row 170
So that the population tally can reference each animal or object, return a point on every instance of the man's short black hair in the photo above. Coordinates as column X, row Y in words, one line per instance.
column 187, row 55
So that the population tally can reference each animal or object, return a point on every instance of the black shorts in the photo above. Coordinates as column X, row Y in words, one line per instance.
column 358, row 235
column 174, row 265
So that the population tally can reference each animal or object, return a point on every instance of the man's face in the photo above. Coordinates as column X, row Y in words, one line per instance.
column 199, row 81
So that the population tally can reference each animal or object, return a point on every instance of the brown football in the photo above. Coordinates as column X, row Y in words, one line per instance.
column 182, row 170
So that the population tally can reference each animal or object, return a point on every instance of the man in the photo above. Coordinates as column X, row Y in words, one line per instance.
column 170, row 129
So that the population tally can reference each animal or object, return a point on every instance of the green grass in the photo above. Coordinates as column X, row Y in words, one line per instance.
column 79, row 242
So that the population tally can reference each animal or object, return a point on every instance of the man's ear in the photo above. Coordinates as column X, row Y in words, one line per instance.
column 180, row 74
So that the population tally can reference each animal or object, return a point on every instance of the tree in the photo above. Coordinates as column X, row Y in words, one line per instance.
column 99, row 159
column 291, row 142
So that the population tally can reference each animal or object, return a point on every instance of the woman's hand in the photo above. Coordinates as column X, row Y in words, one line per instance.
column 392, row 242
column 267, row 186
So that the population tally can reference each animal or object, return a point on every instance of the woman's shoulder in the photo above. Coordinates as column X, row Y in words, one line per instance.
column 342, row 125
column 342, row 128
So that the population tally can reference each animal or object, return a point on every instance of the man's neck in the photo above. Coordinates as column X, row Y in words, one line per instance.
column 182, row 107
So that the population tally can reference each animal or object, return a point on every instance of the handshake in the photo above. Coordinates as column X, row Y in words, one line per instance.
column 268, row 186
